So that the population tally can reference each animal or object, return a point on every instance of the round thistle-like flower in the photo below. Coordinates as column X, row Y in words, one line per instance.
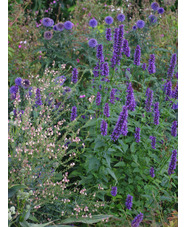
column 55, row 28
column 92, row 43
column 140, row 23
column 109, row 20
column 18, row 81
column 134, row 27
column 14, row 89
column 121, row 17
column 25, row 83
column 93, row 23
column 152, row 172
column 68, row 25
column 47, row 22
column 153, row 19
column 161, row 10
column 128, row 202
column 60, row 27
column 48, row 35
column 114, row 191
column 155, row 6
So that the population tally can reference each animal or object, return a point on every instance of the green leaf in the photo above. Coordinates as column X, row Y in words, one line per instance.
column 124, row 146
column 94, row 219
column 112, row 174
column 14, row 189
column 132, row 147
column 119, row 164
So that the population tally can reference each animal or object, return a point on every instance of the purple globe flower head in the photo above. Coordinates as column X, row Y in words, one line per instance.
column 134, row 27
column 121, row 17
column 60, row 27
column 161, row 10
column 55, row 28
column 114, row 191
column 68, row 25
column 48, row 35
column 108, row 34
column 103, row 128
column 14, row 89
column 92, row 43
column 153, row 19
column 109, row 20
column 93, row 23
column 140, row 23
column 47, row 22
column 25, row 83
column 172, row 164
column 128, row 202
column 155, row 6
column 137, row 220
column 152, row 172
column 18, row 81
column 73, row 113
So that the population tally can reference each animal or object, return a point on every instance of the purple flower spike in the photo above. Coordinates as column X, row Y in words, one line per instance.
column 156, row 113
column 144, row 66
column 152, row 172
column 112, row 96
column 152, row 67
column 172, row 164
column 137, row 135
column 114, row 191
column 98, row 99
column 105, row 69
column 73, row 113
column 171, row 67
column 74, row 76
column 121, row 125
column 103, row 128
column 100, row 53
column 137, row 220
column 149, row 100
column 174, row 128
column 108, row 34
column 106, row 110
column 130, row 100
column 128, row 202
column 137, row 55
column 38, row 101
column 168, row 90
column 153, row 143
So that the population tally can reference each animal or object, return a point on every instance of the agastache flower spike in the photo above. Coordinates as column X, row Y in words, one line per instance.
column 114, row 191
column 137, row 55
column 152, row 67
column 168, row 90
column 128, row 202
column 174, row 129
column 100, row 52
column 106, row 110
column 38, row 101
column 98, row 99
column 149, row 101
column 153, row 143
column 108, row 34
column 73, row 113
column 103, row 128
column 137, row 135
column 171, row 67
column 144, row 66
column 112, row 96
column 105, row 69
column 130, row 101
column 119, row 128
column 74, row 76
column 156, row 114
column 172, row 164
column 137, row 220
column 152, row 172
